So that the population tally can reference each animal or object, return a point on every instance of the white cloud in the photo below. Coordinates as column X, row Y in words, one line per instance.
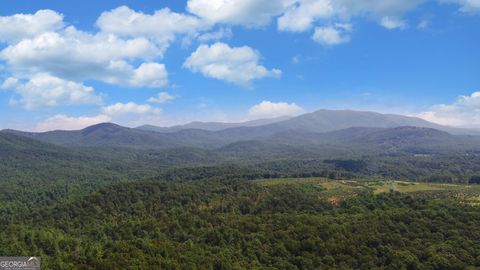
column 236, row 65
column 44, row 90
column 9, row 83
column 470, row 6
column 467, row 6
column 423, row 24
column 304, row 13
column 150, row 74
column 332, row 35
column 272, row 109
column 300, row 17
column 296, row 59
column 162, row 97
column 392, row 23
column 19, row 26
column 119, row 109
column 222, row 33
column 375, row 9
column 89, row 57
column 465, row 111
column 162, row 26
column 252, row 13
column 63, row 122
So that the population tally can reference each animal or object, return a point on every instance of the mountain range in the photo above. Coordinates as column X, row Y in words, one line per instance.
column 321, row 134
column 364, row 143
column 320, row 121
column 323, row 126
column 214, row 126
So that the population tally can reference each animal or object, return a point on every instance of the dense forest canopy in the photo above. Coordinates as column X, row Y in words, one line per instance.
column 236, row 224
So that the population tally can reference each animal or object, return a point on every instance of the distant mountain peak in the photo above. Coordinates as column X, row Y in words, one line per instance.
column 106, row 127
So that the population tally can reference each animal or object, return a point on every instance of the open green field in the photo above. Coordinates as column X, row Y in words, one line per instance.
column 338, row 190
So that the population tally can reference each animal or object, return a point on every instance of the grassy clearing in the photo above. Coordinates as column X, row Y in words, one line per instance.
column 414, row 187
column 338, row 190
column 333, row 191
column 290, row 181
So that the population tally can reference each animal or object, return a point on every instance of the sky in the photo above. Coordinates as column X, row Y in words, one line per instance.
column 71, row 64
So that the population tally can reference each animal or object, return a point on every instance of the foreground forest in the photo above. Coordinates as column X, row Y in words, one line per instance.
column 239, row 224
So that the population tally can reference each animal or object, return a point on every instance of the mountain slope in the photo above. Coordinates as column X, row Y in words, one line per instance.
column 105, row 134
column 323, row 121
column 351, row 143
column 13, row 146
column 35, row 173
column 330, row 120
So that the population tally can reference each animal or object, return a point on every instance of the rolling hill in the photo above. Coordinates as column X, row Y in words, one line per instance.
column 105, row 134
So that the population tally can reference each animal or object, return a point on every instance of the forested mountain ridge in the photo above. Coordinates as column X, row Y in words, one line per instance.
column 105, row 134
column 321, row 127
column 320, row 121
column 61, row 163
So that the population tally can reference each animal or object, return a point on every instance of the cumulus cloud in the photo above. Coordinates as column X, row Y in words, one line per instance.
column 300, row 17
column 467, row 6
column 89, row 57
column 119, row 109
column 44, row 90
column 9, row 83
column 237, row 65
column 470, row 6
column 162, row 26
column 252, row 13
column 48, row 62
column 423, row 24
column 19, row 26
column 272, row 109
column 332, row 35
column 376, row 10
column 149, row 74
column 392, row 23
column 162, row 97
column 464, row 111
column 222, row 33
column 63, row 122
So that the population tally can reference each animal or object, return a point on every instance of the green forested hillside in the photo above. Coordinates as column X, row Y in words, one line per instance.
column 38, row 173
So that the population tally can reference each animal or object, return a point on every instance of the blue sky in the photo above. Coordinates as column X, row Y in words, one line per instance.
column 69, row 64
